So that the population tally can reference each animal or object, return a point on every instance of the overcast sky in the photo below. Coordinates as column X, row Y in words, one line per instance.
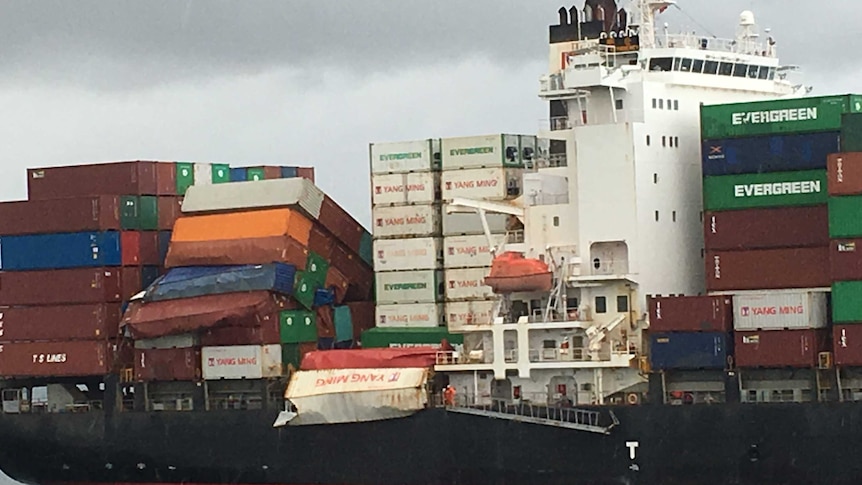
column 313, row 82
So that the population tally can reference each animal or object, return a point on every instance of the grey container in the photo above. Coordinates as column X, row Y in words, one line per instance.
column 296, row 193
column 467, row 224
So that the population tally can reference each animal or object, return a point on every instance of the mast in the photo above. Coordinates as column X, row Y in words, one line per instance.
column 647, row 11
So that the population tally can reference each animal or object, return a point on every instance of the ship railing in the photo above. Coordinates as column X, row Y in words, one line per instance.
column 692, row 41
column 514, row 237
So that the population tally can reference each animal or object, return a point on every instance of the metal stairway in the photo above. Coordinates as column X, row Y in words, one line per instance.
column 570, row 418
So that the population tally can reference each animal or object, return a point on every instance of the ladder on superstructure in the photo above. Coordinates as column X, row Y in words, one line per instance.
column 569, row 418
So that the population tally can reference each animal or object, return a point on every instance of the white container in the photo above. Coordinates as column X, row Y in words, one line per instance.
column 181, row 341
column 777, row 310
column 413, row 315
column 467, row 284
column 203, row 174
column 407, row 254
column 466, row 223
column 482, row 184
column 402, row 287
column 241, row 362
column 460, row 314
column 468, row 251
column 406, row 156
column 296, row 193
column 405, row 188
column 481, row 151
column 405, row 221
column 545, row 189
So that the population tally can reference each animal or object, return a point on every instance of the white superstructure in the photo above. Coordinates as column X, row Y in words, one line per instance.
column 625, row 142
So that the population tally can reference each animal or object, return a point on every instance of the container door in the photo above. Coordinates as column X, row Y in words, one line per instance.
column 220, row 173
column 238, row 174
column 185, row 177
column 129, row 218
column 148, row 213
column 255, row 173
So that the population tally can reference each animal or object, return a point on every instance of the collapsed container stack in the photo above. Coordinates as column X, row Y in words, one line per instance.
column 87, row 239
column 486, row 168
column 845, row 230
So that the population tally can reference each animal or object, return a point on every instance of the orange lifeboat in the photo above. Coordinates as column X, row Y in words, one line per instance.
column 512, row 272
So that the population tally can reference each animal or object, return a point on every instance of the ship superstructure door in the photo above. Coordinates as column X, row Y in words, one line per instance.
column 563, row 391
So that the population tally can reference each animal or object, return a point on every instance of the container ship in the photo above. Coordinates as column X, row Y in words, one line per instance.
column 660, row 286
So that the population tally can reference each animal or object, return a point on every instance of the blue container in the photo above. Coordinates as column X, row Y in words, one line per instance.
column 289, row 172
column 323, row 297
column 689, row 350
column 762, row 154
column 366, row 252
column 164, row 244
column 192, row 281
column 347, row 344
column 343, row 324
column 59, row 251
column 239, row 174
column 149, row 274
column 325, row 343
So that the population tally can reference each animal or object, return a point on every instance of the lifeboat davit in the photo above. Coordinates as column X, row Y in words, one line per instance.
column 512, row 272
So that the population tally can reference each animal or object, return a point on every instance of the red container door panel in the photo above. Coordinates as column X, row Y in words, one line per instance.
column 53, row 287
column 54, row 359
column 176, row 364
column 847, row 344
column 122, row 178
column 68, row 215
column 784, row 227
column 166, row 178
column 844, row 173
column 845, row 259
column 169, row 208
column 766, row 269
column 60, row 322
column 691, row 314
column 779, row 348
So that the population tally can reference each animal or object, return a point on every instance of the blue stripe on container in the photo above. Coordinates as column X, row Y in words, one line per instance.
column 690, row 350
column 60, row 251
column 762, row 154
column 192, row 281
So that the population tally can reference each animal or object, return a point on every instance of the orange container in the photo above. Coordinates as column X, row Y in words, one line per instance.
column 243, row 225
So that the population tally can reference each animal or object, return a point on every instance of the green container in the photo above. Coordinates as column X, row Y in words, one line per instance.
column 255, row 173
column 185, row 177
column 776, row 189
column 316, row 268
column 851, row 132
column 366, row 252
column 139, row 212
column 845, row 216
column 304, row 290
column 343, row 323
column 382, row 337
column 847, row 302
column 799, row 115
column 220, row 173
column 298, row 326
column 291, row 355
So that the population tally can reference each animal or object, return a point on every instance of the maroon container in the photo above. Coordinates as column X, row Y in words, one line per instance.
column 121, row 178
column 55, row 287
column 170, row 317
column 844, row 173
column 132, row 281
column 68, row 215
column 166, row 178
column 321, row 242
column 325, row 322
column 169, row 211
column 60, row 322
column 335, row 278
column 167, row 364
column 362, row 315
column 784, row 227
column 690, row 313
column 237, row 251
column 337, row 221
column 53, row 359
column 845, row 259
column 305, row 172
column 780, row 348
column 766, row 269
column 264, row 334
column 270, row 172
column 139, row 248
column 847, row 344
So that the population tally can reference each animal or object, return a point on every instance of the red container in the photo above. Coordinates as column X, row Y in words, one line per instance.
column 845, row 259
column 766, row 269
column 321, row 242
column 337, row 221
column 325, row 322
column 780, row 348
column 55, row 287
column 784, row 227
column 132, row 281
column 120, row 178
column 237, row 251
column 305, row 172
column 362, row 314
column 139, row 248
column 690, row 313
column 169, row 211
column 53, row 359
column 68, row 215
column 167, row 364
column 265, row 334
column 270, row 172
column 844, row 173
column 166, row 178
column 335, row 278
column 60, row 322
column 847, row 344
column 169, row 317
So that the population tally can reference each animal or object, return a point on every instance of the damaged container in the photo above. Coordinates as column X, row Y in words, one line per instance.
column 193, row 281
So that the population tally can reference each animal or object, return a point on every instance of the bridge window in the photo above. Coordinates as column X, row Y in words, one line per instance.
column 697, row 65
column 661, row 64
column 676, row 64
column 740, row 70
column 764, row 73
column 601, row 304
column 771, row 73
column 619, row 104
column 710, row 67
column 725, row 69
column 753, row 71
column 685, row 66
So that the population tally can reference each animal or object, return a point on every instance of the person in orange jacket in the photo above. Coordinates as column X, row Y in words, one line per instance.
column 449, row 395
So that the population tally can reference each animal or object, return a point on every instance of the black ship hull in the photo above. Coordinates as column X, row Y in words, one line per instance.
column 762, row 444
